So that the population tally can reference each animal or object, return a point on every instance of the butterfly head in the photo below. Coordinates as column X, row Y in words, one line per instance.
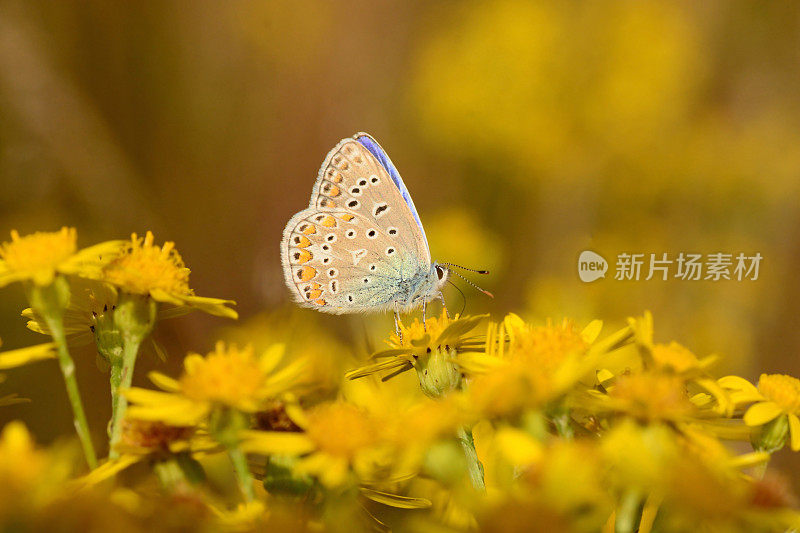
column 442, row 274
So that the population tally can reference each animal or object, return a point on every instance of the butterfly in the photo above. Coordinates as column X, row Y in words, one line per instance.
column 359, row 246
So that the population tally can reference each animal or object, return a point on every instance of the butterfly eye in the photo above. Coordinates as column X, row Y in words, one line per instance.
column 440, row 272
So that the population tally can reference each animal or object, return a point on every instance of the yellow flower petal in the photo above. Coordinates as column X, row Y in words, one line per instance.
column 275, row 442
column 109, row 469
column 163, row 296
column 724, row 404
column 395, row 500
column 87, row 262
column 794, row 431
column 272, row 357
column 23, row 356
column 166, row 407
column 592, row 331
column 760, row 413
column 164, row 382
column 192, row 362
column 518, row 447
column 735, row 383
column 212, row 306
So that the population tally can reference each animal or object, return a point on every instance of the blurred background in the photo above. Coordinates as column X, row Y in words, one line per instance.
column 526, row 132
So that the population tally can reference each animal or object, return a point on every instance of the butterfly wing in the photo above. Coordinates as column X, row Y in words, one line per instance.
column 359, row 245
column 331, row 264
column 355, row 179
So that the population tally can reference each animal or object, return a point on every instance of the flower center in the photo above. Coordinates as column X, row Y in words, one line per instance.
column 145, row 267
column 546, row 346
column 652, row 396
column 227, row 375
column 340, row 429
column 39, row 251
column 674, row 355
column 416, row 330
column 147, row 434
column 782, row 389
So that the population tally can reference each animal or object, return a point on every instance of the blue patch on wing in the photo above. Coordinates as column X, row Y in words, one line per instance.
column 375, row 149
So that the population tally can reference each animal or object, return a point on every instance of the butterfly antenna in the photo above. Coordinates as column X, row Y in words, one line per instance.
column 463, row 298
column 487, row 293
column 465, row 268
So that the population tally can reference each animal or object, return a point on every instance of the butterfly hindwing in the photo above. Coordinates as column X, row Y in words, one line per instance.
column 338, row 262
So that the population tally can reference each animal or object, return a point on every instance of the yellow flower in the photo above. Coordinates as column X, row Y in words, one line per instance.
column 40, row 256
column 527, row 366
column 433, row 349
column 29, row 477
column 651, row 396
column 227, row 377
column 336, row 435
column 372, row 434
column 30, row 354
column 777, row 395
column 142, row 439
column 676, row 359
column 146, row 269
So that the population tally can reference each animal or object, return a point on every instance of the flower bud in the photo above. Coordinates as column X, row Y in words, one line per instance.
column 438, row 373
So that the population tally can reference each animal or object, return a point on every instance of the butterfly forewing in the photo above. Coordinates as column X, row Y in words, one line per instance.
column 352, row 179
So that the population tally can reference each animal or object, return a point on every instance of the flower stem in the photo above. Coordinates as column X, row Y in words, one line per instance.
column 243, row 474
column 50, row 302
column 628, row 512
column 474, row 466
column 121, row 378
column 134, row 317
column 169, row 474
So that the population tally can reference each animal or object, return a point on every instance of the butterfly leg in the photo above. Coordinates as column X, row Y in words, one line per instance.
column 397, row 329
column 424, row 314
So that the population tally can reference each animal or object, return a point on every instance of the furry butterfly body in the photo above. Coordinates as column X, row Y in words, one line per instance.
column 359, row 246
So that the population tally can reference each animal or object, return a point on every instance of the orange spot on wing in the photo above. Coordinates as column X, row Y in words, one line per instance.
column 320, row 302
column 329, row 222
column 301, row 242
column 306, row 273
column 313, row 295
column 303, row 256
column 334, row 191
column 309, row 229
column 347, row 217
